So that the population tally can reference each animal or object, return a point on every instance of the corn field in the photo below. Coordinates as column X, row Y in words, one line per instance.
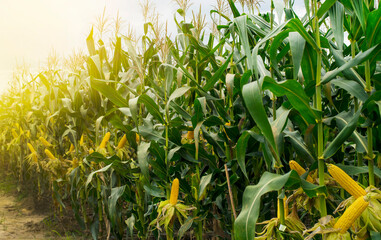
column 269, row 127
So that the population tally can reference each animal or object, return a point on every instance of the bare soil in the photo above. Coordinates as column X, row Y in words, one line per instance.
column 20, row 219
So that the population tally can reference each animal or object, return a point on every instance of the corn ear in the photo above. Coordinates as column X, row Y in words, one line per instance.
column 81, row 140
column 174, row 192
column 46, row 143
column 14, row 134
column 122, row 142
column 285, row 208
column 299, row 169
column 49, row 154
column 72, row 148
column 31, row 148
column 351, row 214
column 190, row 135
column 137, row 138
column 105, row 140
column 345, row 181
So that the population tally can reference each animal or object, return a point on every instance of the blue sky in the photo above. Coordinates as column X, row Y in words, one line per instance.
column 31, row 29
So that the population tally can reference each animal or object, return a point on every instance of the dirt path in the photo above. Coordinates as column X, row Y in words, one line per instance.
column 18, row 221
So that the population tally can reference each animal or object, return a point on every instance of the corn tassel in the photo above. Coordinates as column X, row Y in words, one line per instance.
column 46, row 143
column 122, row 142
column 351, row 214
column 49, row 154
column 345, row 181
column 299, row 169
column 31, row 148
column 105, row 140
column 174, row 192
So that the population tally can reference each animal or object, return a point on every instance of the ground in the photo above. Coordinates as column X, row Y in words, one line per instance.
column 20, row 220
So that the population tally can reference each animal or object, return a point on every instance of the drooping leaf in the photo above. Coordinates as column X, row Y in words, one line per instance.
column 244, row 225
column 344, row 134
column 336, row 16
column 253, row 100
column 352, row 87
column 111, row 93
column 297, row 44
column 296, row 95
column 241, row 151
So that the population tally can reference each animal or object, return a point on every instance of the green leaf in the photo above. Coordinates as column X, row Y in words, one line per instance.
column 373, row 28
column 133, row 103
column 253, row 100
column 355, row 170
column 299, row 146
column 351, row 87
column 360, row 141
column 91, row 175
column 312, row 190
column 349, row 73
column 296, row 95
column 151, row 106
column 111, row 93
column 336, row 16
column 176, row 94
column 234, row 8
column 358, row 7
column 344, row 134
column 130, row 222
column 297, row 44
column 142, row 157
column 245, row 224
column 217, row 75
column 309, row 70
column 204, row 182
column 185, row 227
column 116, row 62
column 325, row 7
column 358, row 59
column 90, row 43
column 297, row 26
column 116, row 193
column 241, row 23
column 241, row 151
column 275, row 47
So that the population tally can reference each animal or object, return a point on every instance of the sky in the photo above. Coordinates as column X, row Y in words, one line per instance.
column 31, row 29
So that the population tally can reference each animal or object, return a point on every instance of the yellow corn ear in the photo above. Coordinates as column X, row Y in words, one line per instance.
column 228, row 124
column 105, row 140
column 122, row 141
column 81, row 140
column 137, row 138
column 299, row 169
column 345, row 181
column 174, row 192
column 91, row 151
column 351, row 214
column 72, row 148
column 46, row 143
column 14, row 134
column 190, row 135
column 31, row 148
column 49, row 154
column 285, row 208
